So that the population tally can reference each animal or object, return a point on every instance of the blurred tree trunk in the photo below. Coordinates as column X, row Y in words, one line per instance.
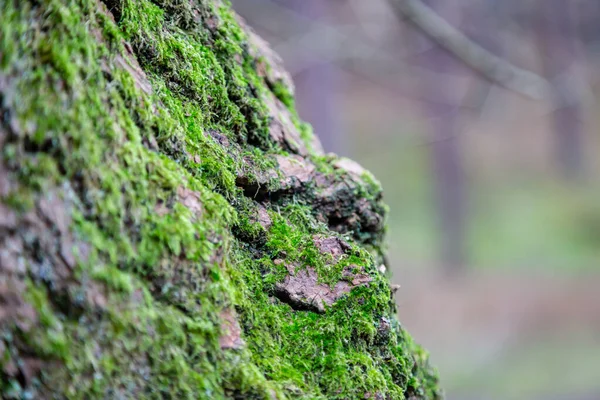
column 560, row 53
column 316, row 84
column 449, row 185
column 449, row 179
column 315, row 89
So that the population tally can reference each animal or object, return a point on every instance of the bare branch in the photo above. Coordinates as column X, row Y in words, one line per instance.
column 490, row 66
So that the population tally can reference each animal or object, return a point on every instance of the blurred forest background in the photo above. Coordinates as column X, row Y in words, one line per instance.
column 491, row 169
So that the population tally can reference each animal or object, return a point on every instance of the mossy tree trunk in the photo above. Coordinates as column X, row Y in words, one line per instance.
column 169, row 228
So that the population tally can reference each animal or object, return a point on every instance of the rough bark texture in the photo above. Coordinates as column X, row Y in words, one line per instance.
column 161, row 208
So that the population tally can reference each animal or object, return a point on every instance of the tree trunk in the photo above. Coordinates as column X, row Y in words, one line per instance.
column 448, row 175
column 560, row 53
column 316, row 86
column 168, row 227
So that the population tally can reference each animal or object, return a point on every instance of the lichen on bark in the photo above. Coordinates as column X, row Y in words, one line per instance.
column 157, row 189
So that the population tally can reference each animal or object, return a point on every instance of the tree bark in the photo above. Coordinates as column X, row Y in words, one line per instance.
column 169, row 228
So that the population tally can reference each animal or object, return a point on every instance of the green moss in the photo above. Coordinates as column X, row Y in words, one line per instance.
column 170, row 240
column 282, row 93
column 342, row 344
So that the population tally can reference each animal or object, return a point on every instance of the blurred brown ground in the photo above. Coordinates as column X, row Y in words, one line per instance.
column 483, row 329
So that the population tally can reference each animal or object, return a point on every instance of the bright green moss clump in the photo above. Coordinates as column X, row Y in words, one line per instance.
column 146, row 220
